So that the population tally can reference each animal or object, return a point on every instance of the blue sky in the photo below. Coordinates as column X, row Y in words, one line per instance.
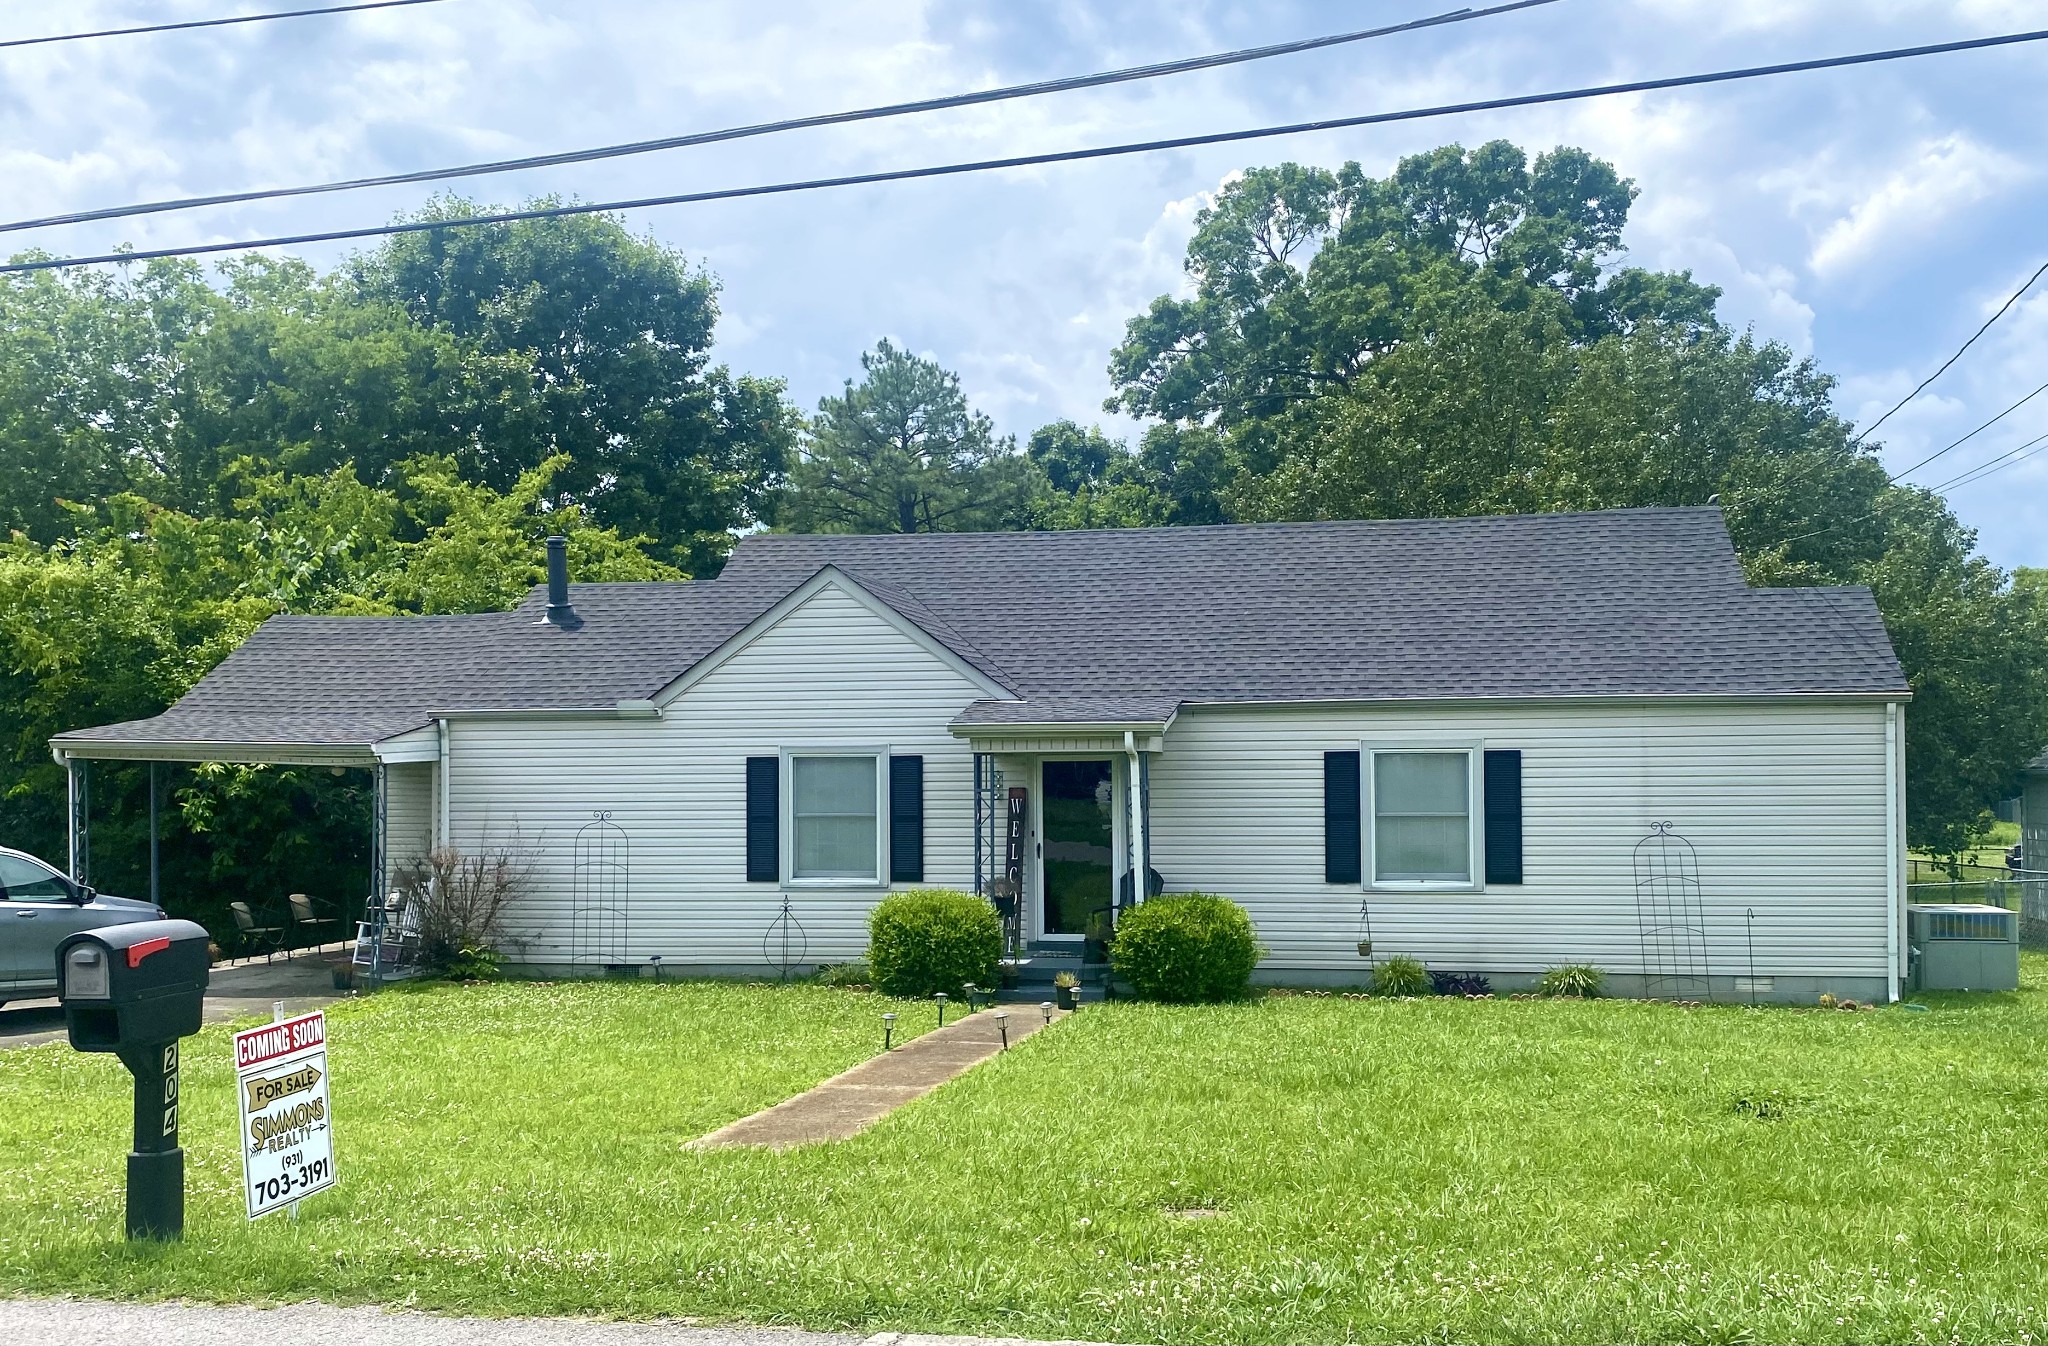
column 1871, row 218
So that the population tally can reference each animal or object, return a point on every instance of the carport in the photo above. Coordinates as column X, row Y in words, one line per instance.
column 191, row 737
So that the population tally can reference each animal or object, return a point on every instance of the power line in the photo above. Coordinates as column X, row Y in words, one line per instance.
column 1956, row 444
column 1033, row 90
column 1993, row 466
column 1027, row 160
column 1866, row 433
column 211, row 23
column 1969, row 477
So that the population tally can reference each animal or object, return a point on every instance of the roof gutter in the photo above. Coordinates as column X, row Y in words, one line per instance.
column 1016, row 728
column 212, row 750
column 1563, row 698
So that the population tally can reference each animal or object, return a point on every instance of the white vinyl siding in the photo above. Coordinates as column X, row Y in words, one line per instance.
column 1784, row 801
column 408, row 815
column 832, row 674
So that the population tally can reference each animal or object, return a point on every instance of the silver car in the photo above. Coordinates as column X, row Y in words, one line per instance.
column 38, row 908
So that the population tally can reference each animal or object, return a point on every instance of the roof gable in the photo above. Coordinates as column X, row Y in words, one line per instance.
column 834, row 580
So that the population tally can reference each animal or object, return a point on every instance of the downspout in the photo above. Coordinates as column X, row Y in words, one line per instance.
column 441, row 792
column 1894, row 840
column 1141, row 863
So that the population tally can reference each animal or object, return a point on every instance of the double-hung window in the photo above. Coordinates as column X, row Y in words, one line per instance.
column 835, row 817
column 1421, row 817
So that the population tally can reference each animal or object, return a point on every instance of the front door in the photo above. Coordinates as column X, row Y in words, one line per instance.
column 1078, row 821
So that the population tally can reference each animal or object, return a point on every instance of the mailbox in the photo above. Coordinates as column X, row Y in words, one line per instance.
column 134, row 990
column 133, row 985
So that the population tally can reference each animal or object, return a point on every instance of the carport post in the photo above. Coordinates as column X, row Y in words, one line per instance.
column 79, row 829
column 155, row 895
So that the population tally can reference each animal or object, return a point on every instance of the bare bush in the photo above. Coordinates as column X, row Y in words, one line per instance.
column 459, row 897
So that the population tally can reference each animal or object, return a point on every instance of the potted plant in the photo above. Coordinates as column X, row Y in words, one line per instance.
column 1067, row 990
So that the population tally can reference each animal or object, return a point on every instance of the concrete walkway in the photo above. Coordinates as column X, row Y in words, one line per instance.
column 849, row 1103
column 233, row 991
column 86, row 1322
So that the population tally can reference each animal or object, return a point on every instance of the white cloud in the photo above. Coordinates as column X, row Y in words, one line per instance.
column 1943, row 178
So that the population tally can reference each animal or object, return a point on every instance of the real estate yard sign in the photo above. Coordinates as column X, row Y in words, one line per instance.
column 287, row 1129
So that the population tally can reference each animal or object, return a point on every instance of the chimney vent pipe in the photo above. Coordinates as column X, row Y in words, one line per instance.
column 559, row 612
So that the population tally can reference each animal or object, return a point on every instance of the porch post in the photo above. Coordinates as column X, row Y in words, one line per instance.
column 1141, row 860
column 155, row 887
column 379, row 865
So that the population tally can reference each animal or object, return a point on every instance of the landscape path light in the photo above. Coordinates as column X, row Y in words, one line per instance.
column 941, row 998
column 1045, row 1008
column 1002, row 1019
column 888, row 1030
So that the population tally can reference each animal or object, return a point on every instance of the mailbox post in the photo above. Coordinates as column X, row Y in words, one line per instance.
column 134, row 990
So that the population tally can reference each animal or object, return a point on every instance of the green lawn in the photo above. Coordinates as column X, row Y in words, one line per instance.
column 1299, row 1169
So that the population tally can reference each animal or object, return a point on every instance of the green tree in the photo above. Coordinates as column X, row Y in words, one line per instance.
column 1303, row 277
column 901, row 451
column 616, row 331
column 89, row 364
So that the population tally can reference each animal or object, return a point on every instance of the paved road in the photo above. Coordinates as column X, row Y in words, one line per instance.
column 75, row 1322
column 231, row 993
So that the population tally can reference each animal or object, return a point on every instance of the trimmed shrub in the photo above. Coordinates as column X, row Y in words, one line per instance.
column 1459, row 983
column 1580, row 981
column 1402, row 975
column 1186, row 947
column 927, row 940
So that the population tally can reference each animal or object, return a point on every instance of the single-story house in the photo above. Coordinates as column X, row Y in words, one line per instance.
column 1496, row 744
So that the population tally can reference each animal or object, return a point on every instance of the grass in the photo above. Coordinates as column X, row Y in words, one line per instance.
column 1295, row 1169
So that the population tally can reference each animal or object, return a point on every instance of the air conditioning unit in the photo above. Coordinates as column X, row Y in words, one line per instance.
column 1963, row 947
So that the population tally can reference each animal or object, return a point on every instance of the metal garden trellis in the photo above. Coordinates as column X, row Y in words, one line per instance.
column 1671, row 916
column 601, row 892
column 785, row 946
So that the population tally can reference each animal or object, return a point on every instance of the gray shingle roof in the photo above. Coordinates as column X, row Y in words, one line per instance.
column 1127, row 624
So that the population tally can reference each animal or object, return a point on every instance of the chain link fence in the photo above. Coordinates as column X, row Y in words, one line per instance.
column 2022, row 890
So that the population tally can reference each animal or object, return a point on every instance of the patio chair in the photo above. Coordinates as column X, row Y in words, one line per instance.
column 388, row 936
column 307, row 920
column 254, row 934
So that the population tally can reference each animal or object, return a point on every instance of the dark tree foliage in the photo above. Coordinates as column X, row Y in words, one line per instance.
column 615, row 331
column 901, row 451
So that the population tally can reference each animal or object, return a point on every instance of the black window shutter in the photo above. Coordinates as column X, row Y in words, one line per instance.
column 764, row 809
column 906, row 820
column 1503, row 794
column 1340, row 818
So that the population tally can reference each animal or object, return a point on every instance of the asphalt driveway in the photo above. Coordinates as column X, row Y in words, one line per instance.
column 232, row 992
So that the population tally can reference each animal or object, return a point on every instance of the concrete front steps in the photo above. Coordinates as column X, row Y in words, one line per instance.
column 1034, row 977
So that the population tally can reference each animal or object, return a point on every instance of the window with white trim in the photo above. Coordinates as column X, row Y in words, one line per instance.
column 835, row 817
column 1422, row 818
